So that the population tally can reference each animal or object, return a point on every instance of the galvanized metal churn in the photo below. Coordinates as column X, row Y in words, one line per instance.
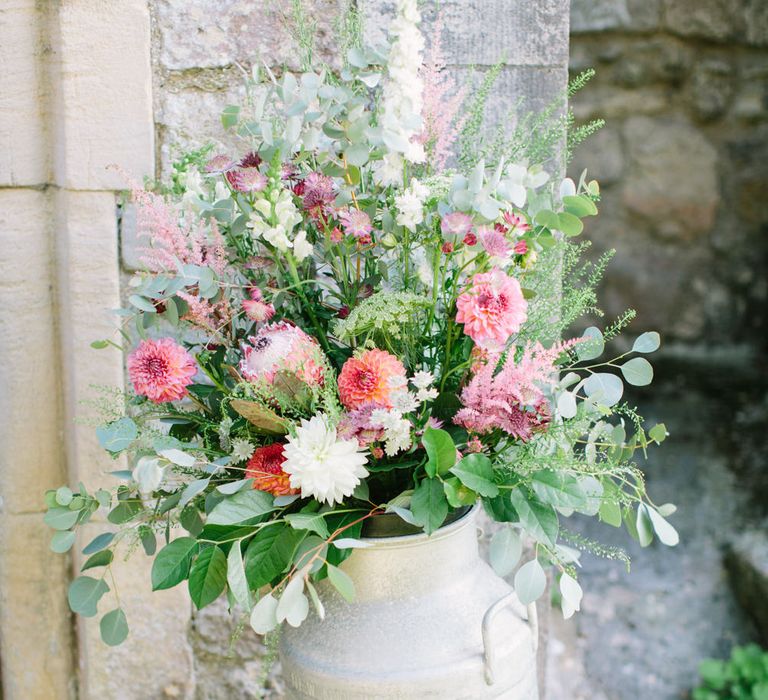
column 430, row 620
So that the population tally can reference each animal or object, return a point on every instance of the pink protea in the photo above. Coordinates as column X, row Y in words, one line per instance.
column 370, row 378
column 492, row 309
column 494, row 242
column 256, row 308
column 246, row 180
column 356, row 223
column 455, row 226
column 282, row 347
column 161, row 370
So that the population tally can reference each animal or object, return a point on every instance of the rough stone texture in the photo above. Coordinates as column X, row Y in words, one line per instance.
column 682, row 163
column 748, row 568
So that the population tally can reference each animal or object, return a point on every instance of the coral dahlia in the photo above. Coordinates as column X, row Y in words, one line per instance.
column 265, row 467
column 370, row 377
column 161, row 370
column 492, row 309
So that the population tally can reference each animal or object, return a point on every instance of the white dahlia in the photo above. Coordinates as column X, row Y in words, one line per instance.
column 322, row 465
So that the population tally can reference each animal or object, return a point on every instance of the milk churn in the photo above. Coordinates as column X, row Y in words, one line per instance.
column 430, row 620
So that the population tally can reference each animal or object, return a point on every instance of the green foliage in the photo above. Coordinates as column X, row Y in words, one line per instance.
column 742, row 677
column 471, row 142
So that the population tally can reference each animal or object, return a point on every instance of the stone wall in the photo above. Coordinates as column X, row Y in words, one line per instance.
column 683, row 86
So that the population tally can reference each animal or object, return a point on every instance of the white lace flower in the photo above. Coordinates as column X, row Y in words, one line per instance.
column 397, row 430
column 422, row 379
column 320, row 464
column 426, row 395
column 404, row 401
column 241, row 450
column 410, row 205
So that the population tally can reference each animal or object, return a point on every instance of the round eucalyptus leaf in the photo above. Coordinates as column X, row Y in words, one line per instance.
column 530, row 581
column 62, row 541
column 264, row 615
column 84, row 594
column 505, row 550
column 114, row 627
column 647, row 342
column 591, row 346
column 637, row 371
column 605, row 388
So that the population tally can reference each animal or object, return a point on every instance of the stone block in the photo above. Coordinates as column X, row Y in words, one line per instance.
column 742, row 22
column 609, row 15
column 88, row 291
column 30, row 439
column 23, row 152
column 102, row 99
column 672, row 179
column 747, row 562
column 35, row 622
column 483, row 32
column 711, row 89
column 602, row 155
column 196, row 34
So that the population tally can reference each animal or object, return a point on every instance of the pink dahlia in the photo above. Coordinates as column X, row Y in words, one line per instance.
column 492, row 309
column 370, row 378
column 455, row 226
column 246, row 179
column 356, row 223
column 282, row 347
column 161, row 370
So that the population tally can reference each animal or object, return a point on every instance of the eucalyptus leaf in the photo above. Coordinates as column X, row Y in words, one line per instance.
column 234, row 486
column 341, row 582
column 293, row 605
column 193, row 489
column 84, row 594
column 664, row 531
column 178, row 457
column 264, row 615
column 103, row 558
column 647, row 342
column 505, row 550
column 62, row 541
column 637, row 371
column 319, row 607
column 61, row 518
column 530, row 582
column 605, row 388
column 571, row 593
column 117, row 435
column 99, row 542
column 114, row 627
column 643, row 526
column 64, row 495
column 593, row 345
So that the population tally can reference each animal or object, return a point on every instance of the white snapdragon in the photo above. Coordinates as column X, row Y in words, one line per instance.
column 410, row 205
column 302, row 248
column 278, row 208
column 400, row 114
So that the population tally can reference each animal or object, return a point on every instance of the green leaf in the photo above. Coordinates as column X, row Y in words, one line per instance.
column 314, row 522
column 607, row 389
column 114, row 627
column 658, row 433
column 171, row 565
column 357, row 154
column 440, row 450
column 475, row 471
column 270, row 553
column 643, row 526
column 547, row 218
column 500, row 508
column 142, row 304
column 100, row 344
column 356, row 57
column 504, row 551
column 244, row 507
column 637, row 371
column 569, row 224
column 117, row 435
column 530, row 581
column 429, row 505
column 647, row 342
column 230, row 115
column 208, row 576
column 264, row 615
column 236, row 580
column 664, row 531
column 457, row 494
column 592, row 347
column 293, row 606
column 84, row 594
column 538, row 519
column 559, row 489
column 99, row 542
column 193, row 489
column 61, row 518
column 124, row 511
column 148, row 540
column 178, row 457
column 579, row 205
column 610, row 513
column 103, row 558
column 342, row 583
column 62, row 541
column 64, row 496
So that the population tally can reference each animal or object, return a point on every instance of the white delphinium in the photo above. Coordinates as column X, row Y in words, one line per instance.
column 397, row 430
column 320, row 464
column 410, row 205
column 400, row 114
column 241, row 450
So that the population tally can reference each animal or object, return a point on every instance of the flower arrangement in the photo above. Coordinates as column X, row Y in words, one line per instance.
column 334, row 324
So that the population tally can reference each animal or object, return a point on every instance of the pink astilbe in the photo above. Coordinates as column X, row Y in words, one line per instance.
column 205, row 314
column 169, row 242
column 442, row 100
column 512, row 400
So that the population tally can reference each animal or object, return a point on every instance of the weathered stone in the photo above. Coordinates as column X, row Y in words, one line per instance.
column 672, row 180
column 195, row 34
column 602, row 155
column 608, row 102
column 747, row 561
column 603, row 15
column 481, row 32
column 711, row 88
column 743, row 22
